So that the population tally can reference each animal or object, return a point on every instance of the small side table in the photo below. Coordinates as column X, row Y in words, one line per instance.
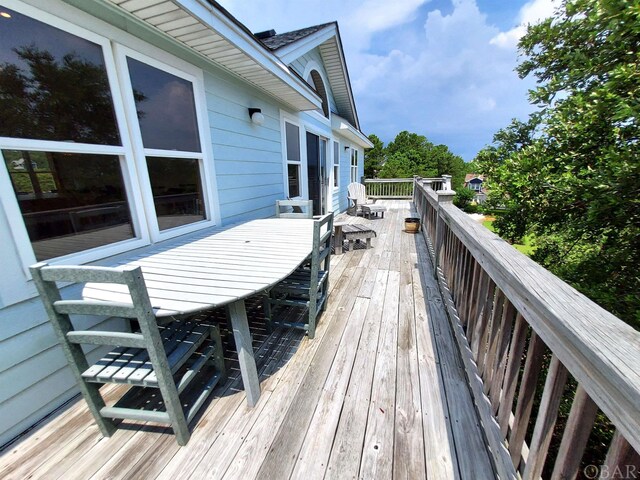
column 367, row 210
column 344, row 231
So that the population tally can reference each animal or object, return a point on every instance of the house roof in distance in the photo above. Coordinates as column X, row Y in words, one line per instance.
column 471, row 176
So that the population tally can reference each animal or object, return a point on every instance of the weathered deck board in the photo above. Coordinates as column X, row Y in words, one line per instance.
column 379, row 393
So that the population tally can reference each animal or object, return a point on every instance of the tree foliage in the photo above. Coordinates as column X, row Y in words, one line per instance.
column 411, row 154
column 374, row 157
column 570, row 173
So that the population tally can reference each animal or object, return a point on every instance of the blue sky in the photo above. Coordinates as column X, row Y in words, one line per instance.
column 439, row 68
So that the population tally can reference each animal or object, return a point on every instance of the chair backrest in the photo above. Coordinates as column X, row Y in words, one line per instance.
column 140, row 309
column 322, row 232
column 294, row 208
column 357, row 191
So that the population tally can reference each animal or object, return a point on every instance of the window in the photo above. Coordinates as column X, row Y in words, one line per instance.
column 60, row 140
column 476, row 186
column 66, row 147
column 166, row 116
column 336, row 164
column 354, row 166
column 292, row 134
column 315, row 80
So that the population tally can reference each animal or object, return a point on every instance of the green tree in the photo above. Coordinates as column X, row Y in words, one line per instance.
column 411, row 154
column 374, row 157
column 571, row 172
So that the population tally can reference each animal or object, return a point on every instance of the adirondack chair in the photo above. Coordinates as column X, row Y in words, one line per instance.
column 357, row 196
column 165, row 358
column 307, row 288
column 294, row 208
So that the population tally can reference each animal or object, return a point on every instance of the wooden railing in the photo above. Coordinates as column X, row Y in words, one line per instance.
column 389, row 187
column 510, row 316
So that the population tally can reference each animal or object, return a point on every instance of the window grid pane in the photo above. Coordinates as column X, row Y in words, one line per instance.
column 165, row 107
column 177, row 192
column 54, row 85
column 70, row 202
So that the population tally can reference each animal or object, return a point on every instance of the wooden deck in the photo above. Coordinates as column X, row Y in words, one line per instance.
column 380, row 393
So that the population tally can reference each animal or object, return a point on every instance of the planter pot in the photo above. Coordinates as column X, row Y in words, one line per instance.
column 411, row 225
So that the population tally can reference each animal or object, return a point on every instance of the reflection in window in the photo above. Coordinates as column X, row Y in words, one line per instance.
column 292, row 139
column 69, row 202
column 166, row 108
column 53, row 85
column 293, row 174
column 177, row 195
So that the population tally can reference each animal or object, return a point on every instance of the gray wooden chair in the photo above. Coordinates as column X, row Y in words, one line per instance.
column 308, row 287
column 294, row 208
column 165, row 358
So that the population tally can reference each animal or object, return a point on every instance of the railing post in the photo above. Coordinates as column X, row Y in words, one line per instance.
column 447, row 183
column 445, row 197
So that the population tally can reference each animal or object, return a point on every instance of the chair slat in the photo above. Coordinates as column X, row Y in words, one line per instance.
column 95, row 307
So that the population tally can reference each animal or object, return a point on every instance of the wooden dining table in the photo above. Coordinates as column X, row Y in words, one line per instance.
column 220, row 267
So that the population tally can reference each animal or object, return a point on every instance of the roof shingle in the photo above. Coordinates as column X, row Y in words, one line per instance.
column 280, row 40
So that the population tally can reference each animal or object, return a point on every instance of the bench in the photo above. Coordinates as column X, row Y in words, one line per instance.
column 350, row 232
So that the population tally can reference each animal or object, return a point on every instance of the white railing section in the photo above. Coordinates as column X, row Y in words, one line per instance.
column 402, row 188
column 509, row 314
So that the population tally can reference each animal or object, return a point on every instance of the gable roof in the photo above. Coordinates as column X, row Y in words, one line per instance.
column 472, row 176
column 292, row 45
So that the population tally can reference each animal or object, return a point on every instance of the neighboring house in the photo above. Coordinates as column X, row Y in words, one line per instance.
column 153, row 119
column 475, row 182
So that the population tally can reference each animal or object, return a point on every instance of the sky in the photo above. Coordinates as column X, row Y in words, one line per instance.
column 440, row 68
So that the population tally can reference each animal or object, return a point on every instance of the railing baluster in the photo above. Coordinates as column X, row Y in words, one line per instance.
column 499, row 358
column 546, row 419
column 575, row 437
column 508, row 391
column 622, row 460
column 526, row 394
column 482, row 315
column 488, row 353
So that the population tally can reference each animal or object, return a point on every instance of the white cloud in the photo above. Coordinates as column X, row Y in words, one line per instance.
column 377, row 15
column 530, row 14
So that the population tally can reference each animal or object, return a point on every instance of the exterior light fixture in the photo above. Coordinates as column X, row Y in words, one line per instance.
column 256, row 116
column 5, row 15
column 347, row 147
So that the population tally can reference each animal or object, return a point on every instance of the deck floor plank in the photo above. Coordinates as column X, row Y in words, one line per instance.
column 379, row 393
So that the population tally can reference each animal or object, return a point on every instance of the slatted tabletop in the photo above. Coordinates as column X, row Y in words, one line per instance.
column 214, row 269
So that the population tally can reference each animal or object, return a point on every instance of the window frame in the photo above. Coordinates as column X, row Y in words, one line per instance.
column 354, row 167
column 286, row 162
column 10, row 203
column 204, row 157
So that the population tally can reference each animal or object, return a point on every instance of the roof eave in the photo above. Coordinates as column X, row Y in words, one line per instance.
column 344, row 128
column 257, row 65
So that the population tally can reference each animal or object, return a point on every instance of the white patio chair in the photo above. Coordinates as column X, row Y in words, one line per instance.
column 357, row 195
